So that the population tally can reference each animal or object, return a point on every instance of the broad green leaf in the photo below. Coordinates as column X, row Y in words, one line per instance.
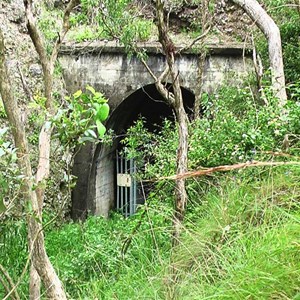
column 101, row 129
column 86, row 139
column 91, row 132
column 103, row 112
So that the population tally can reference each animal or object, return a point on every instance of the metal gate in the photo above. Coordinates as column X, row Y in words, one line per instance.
column 126, row 186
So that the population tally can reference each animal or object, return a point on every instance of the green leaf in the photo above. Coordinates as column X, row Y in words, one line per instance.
column 86, row 139
column 101, row 128
column 77, row 94
column 91, row 132
column 91, row 89
column 103, row 112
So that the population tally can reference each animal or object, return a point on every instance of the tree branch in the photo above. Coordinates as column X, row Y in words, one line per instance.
column 225, row 168
column 65, row 28
column 271, row 31
column 199, row 38
column 34, row 33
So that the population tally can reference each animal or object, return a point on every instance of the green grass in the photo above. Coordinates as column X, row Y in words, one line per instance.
column 246, row 245
column 241, row 241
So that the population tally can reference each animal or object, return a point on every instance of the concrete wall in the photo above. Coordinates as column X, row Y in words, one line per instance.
column 108, row 69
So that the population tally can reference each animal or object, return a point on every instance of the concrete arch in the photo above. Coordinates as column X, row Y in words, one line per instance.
column 95, row 165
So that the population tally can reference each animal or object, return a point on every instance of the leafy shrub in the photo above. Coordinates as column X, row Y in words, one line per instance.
column 233, row 128
column 82, row 119
column 290, row 32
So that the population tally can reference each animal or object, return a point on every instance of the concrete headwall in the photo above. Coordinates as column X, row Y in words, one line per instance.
column 107, row 67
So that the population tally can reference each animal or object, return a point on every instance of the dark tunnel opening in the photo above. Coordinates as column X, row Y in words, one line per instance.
column 148, row 104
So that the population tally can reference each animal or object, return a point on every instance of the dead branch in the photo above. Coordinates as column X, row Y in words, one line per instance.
column 225, row 168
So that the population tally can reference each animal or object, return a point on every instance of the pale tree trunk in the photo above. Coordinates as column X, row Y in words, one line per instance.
column 41, row 261
column 41, row 265
column 272, row 34
column 177, row 103
column 43, row 168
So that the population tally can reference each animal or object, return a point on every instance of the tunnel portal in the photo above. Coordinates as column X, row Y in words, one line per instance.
column 110, row 183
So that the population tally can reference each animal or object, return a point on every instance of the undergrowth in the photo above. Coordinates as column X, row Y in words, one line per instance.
column 241, row 241
column 240, row 238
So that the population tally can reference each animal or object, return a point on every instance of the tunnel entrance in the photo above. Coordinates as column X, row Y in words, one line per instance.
column 148, row 104
column 108, row 186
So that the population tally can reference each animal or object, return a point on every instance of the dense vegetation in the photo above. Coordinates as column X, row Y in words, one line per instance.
column 241, row 234
column 240, row 237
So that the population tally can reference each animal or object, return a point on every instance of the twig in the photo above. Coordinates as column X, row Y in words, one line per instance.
column 25, row 86
column 65, row 28
column 199, row 38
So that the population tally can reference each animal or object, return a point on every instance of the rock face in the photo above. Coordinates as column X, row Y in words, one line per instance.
column 19, row 48
column 232, row 20
column 25, row 70
column 228, row 18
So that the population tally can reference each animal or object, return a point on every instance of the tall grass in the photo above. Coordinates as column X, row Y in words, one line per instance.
column 240, row 241
column 246, row 243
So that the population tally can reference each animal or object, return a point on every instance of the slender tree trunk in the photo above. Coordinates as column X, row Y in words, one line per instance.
column 182, row 119
column 40, row 259
column 182, row 160
column 34, row 282
column 272, row 34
